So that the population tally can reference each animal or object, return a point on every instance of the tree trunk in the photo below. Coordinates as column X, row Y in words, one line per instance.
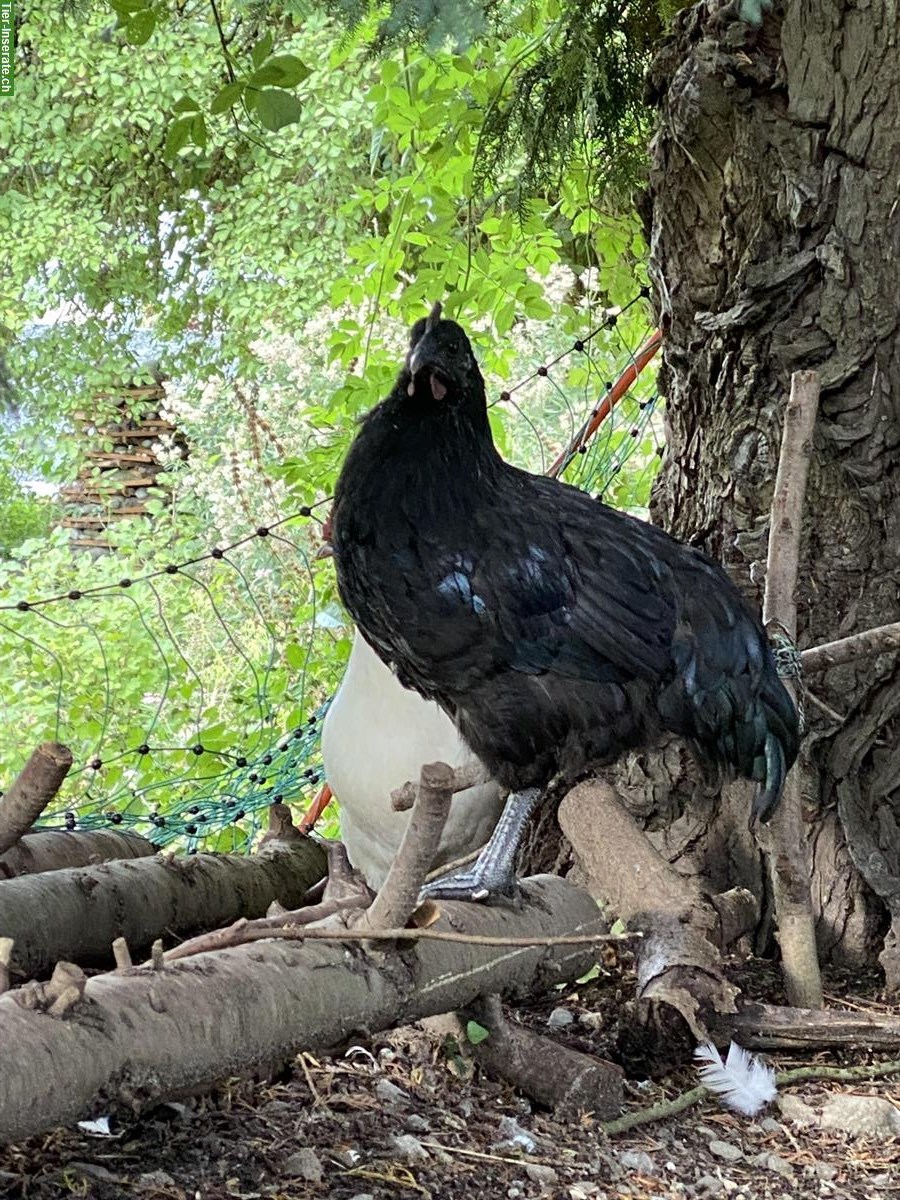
column 775, row 236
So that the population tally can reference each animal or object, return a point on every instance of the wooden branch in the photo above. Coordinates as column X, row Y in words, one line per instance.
column 59, row 849
column 678, row 1104
column 885, row 639
column 788, row 856
column 77, row 914
column 772, row 1027
column 38, row 782
column 234, row 1011
column 679, row 970
column 399, row 894
column 470, row 775
column 554, row 1075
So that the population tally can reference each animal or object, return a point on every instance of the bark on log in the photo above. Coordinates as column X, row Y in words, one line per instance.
column 554, row 1075
column 238, row 1010
column 77, row 914
column 36, row 785
column 58, row 849
column 771, row 1027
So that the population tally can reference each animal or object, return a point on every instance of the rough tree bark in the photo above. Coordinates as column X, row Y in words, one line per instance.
column 126, row 1040
column 773, row 221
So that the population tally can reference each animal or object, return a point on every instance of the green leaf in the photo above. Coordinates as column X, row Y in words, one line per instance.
column 285, row 70
column 276, row 109
column 262, row 49
column 185, row 104
column 127, row 8
column 178, row 136
column 225, row 97
column 139, row 28
column 476, row 1033
column 589, row 975
column 198, row 130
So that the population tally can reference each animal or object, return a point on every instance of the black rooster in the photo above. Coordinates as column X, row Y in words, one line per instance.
column 556, row 632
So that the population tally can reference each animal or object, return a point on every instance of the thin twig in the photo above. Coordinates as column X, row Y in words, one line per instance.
column 122, row 954
column 670, row 1108
column 246, row 933
column 788, row 857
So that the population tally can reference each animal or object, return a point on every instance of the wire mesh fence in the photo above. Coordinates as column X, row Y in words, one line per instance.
column 189, row 694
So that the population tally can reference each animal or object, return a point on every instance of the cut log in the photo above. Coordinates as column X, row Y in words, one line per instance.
column 78, row 914
column 32, row 791
column 554, row 1075
column 58, row 849
column 239, row 1010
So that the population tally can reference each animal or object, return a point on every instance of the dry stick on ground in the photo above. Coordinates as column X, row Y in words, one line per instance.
column 884, row 639
column 771, row 1027
column 671, row 1108
column 38, row 782
column 788, row 845
column 550, row 1073
column 58, row 850
column 78, row 914
column 235, row 1011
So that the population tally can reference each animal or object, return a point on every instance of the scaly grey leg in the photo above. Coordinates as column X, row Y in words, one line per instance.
column 494, row 870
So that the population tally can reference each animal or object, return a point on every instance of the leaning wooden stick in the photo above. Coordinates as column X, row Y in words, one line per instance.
column 399, row 893
column 789, row 862
column 38, row 782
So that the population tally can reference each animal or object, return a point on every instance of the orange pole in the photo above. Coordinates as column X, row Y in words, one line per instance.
column 609, row 402
column 316, row 809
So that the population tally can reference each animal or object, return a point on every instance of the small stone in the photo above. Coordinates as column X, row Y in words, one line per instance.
column 304, row 1164
column 770, row 1125
column 409, row 1148
column 793, row 1108
column 545, row 1176
column 725, row 1150
column 639, row 1161
column 594, row 1021
column 861, row 1116
column 709, row 1185
column 389, row 1093
column 347, row 1157
column 363, row 1196
column 155, row 1180
column 417, row 1124
column 773, row 1162
column 512, row 1133
column 825, row 1171
column 92, row 1171
column 559, row 1018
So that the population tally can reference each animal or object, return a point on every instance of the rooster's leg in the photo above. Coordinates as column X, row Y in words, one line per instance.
column 494, row 872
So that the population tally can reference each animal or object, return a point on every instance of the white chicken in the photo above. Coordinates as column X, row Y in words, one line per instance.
column 376, row 736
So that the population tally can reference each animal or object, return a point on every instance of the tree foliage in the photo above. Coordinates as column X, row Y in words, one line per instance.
column 164, row 211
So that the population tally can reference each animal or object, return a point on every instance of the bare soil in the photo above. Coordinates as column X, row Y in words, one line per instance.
column 329, row 1127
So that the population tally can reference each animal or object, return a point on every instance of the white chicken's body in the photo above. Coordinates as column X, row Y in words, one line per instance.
column 376, row 736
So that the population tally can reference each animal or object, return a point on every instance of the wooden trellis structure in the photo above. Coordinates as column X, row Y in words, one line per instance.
column 114, row 483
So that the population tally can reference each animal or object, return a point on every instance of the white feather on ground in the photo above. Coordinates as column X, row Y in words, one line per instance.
column 742, row 1081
